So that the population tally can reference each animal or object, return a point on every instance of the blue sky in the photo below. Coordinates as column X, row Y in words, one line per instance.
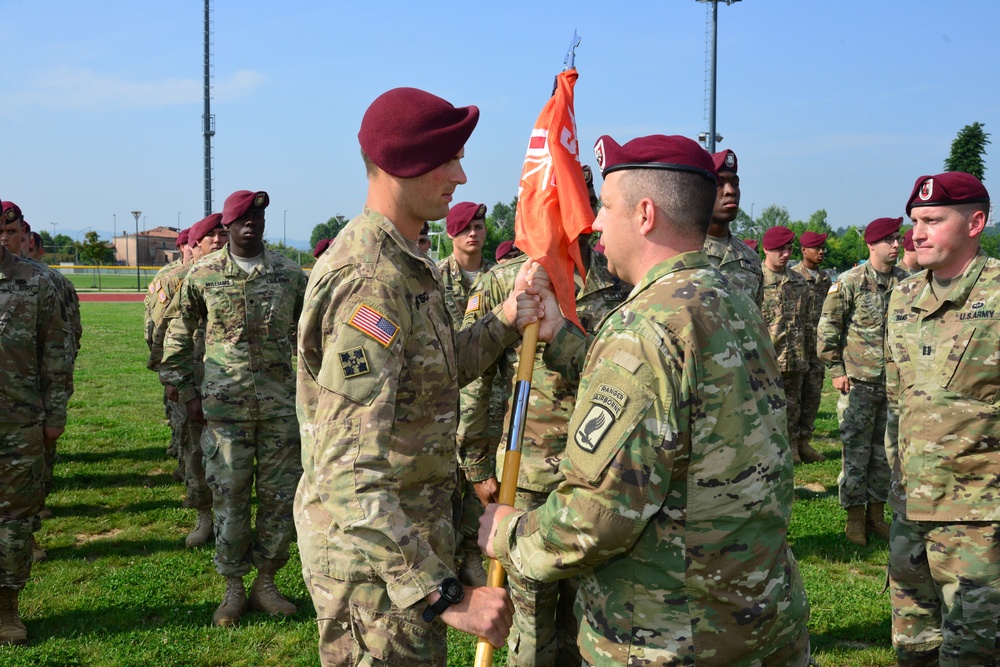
column 837, row 105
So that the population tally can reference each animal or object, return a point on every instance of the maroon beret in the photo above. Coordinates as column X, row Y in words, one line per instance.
column 182, row 237
column 38, row 240
column 654, row 152
column 504, row 249
column 776, row 237
column 751, row 243
column 408, row 132
column 321, row 247
column 201, row 228
column 25, row 226
column 908, row 241
column 242, row 202
column 11, row 212
column 812, row 239
column 951, row 187
column 725, row 161
column 880, row 228
column 462, row 214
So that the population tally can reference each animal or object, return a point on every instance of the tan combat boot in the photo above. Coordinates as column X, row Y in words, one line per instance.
column 855, row 529
column 202, row 530
column 265, row 596
column 38, row 554
column 472, row 572
column 875, row 521
column 234, row 603
column 810, row 455
column 12, row 630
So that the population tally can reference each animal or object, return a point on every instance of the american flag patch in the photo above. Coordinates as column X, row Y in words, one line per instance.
column 161, row 296
column 372, row 323
column 473, row 304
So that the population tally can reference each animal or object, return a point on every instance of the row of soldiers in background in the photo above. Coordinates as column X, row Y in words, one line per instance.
column 221, row 331
column 40, row 334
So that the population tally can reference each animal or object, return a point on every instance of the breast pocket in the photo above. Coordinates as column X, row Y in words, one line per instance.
column 973, row 367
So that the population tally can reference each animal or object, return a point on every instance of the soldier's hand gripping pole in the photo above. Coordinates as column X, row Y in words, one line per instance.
column 512, row 461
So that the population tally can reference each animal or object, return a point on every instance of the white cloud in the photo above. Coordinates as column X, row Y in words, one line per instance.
column 74, row 88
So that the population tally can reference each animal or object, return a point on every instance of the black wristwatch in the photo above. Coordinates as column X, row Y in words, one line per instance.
column 452, row 592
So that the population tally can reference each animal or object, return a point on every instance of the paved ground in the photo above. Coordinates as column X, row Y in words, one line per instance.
column 112, row 296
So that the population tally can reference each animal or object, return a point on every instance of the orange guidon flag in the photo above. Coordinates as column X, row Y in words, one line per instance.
column 553, row 207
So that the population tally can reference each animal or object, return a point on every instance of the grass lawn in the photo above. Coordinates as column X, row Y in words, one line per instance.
column 120, row 589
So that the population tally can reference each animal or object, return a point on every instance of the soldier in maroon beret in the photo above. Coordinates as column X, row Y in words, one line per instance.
column 734, row 258
column 321, row 247
column 460, row 271
column 209, row 234
column 943, row 374
column 813, row 245
column 910, row 262
column 507, row 250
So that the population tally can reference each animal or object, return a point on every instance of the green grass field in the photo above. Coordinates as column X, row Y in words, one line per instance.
column 120, row 589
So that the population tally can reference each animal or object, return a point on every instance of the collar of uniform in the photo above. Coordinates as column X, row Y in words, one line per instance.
column 960, row 292
column 233, row 269
column 6, row 263
column 383, row 223
column 696, row 259
column 773, row 277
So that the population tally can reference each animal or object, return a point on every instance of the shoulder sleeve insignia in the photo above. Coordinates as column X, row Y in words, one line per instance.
column 161, row 296
column 474, row 303
column 373, row 324
column 354, row 362
column 608, row 402
column 834, row 288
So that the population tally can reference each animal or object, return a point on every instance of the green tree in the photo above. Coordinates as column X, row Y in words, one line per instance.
column 774, row 216
column 990, row 242
column 844, row 249
column 94, row 251
column 328, row 229
column 499, row 227
column 967, row 151
column 303, row 258
column 745, row 227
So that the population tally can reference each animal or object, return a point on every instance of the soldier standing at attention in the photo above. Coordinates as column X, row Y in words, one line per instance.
column 787, row 305
column 852, row 345
column 728, row 254
column 910, row 262
column 944, row 343
column 35, row 370
column 380, row 366
column 678, row 478
column 248, row 299
column 813, row 247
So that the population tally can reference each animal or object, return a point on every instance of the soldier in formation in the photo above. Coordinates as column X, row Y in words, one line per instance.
column 910, row 262
column 852, row 345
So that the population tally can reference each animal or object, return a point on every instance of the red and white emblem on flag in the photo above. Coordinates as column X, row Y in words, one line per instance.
column 373, row 324
column 926, row 189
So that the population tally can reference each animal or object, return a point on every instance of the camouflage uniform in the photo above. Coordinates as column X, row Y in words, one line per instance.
column 851, row 342
column 675, row 507
column 35, row 341
column 786, row 308
column 812, row 383
column 247, row 398
column 379, row 371
column 545, row 627
column 944, row 553
column 457, row 287
column 739, row 264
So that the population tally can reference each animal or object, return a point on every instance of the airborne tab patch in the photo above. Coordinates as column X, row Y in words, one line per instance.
column 372, row 323
column 354, row 362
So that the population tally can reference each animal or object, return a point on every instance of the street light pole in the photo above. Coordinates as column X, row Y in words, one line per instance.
column 138, row 280
column 284, row 238
column 178, row 220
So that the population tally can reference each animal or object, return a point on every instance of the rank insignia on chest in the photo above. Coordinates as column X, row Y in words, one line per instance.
column 373, row 324
column 354, row 362
column 473, row 304
column 607, row 405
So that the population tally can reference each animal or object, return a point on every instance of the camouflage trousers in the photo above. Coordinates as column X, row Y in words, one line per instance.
column 809, row 398
column 864, row 475
column 545, row 627
column 796, row 653
column 468, row 512
column 944, row 579
column 792, row 381
column 238, row 457
column 22, row 448
column 197, row 493
column 359, row 625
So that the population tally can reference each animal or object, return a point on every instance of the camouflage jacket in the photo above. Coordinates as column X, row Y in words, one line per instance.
column 170, row 287
column 787, row 304
column 943, row 372
column 552, row 394
column 249, row 325
column 739, row 264
column 71, row 302
column 851, row 336
column 379, row 370
column 160, row 293
column 457, row 287
column 819, row 285
column 35, row 340
column 674, row 511
column 156, row 298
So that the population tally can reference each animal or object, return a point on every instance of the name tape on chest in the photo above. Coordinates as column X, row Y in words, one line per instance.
column 607, row 404
column 374, row 324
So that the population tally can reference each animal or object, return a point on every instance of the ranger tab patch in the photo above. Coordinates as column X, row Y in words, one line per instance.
column 354, row 362
column 372, row 323
column 608, row 403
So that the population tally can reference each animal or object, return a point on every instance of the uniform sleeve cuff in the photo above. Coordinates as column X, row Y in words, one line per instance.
column 417, row 583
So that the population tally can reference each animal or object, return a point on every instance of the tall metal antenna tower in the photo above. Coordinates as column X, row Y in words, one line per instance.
column 709, row 138
column 207, row 119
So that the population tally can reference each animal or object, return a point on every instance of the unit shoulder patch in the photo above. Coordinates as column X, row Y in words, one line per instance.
column 354, row 362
